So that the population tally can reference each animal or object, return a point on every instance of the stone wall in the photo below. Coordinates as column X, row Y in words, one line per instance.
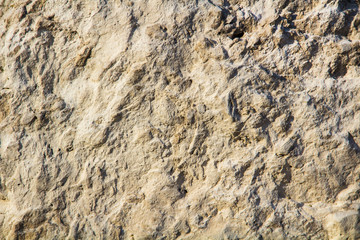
column 164, row 119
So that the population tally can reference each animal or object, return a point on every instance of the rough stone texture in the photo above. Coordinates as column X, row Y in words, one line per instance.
column 166, row 119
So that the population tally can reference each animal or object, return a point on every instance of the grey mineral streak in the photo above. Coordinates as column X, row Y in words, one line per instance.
column 164, row 119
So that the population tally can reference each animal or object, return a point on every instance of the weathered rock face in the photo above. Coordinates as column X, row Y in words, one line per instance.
column 179, row 119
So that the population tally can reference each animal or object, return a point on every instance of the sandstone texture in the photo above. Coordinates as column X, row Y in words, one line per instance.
column 173, row 119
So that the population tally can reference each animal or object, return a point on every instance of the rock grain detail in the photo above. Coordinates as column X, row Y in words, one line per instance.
column 164, row 119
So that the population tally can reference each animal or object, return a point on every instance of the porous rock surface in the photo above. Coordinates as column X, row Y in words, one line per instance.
column 173, row 119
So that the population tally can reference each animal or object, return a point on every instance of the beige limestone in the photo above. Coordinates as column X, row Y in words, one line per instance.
column 157, row 119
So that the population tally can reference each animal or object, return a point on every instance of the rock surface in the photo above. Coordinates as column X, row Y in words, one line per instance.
column 166, row 119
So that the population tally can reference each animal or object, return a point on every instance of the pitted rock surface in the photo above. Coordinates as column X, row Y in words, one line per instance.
column 165, row 119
